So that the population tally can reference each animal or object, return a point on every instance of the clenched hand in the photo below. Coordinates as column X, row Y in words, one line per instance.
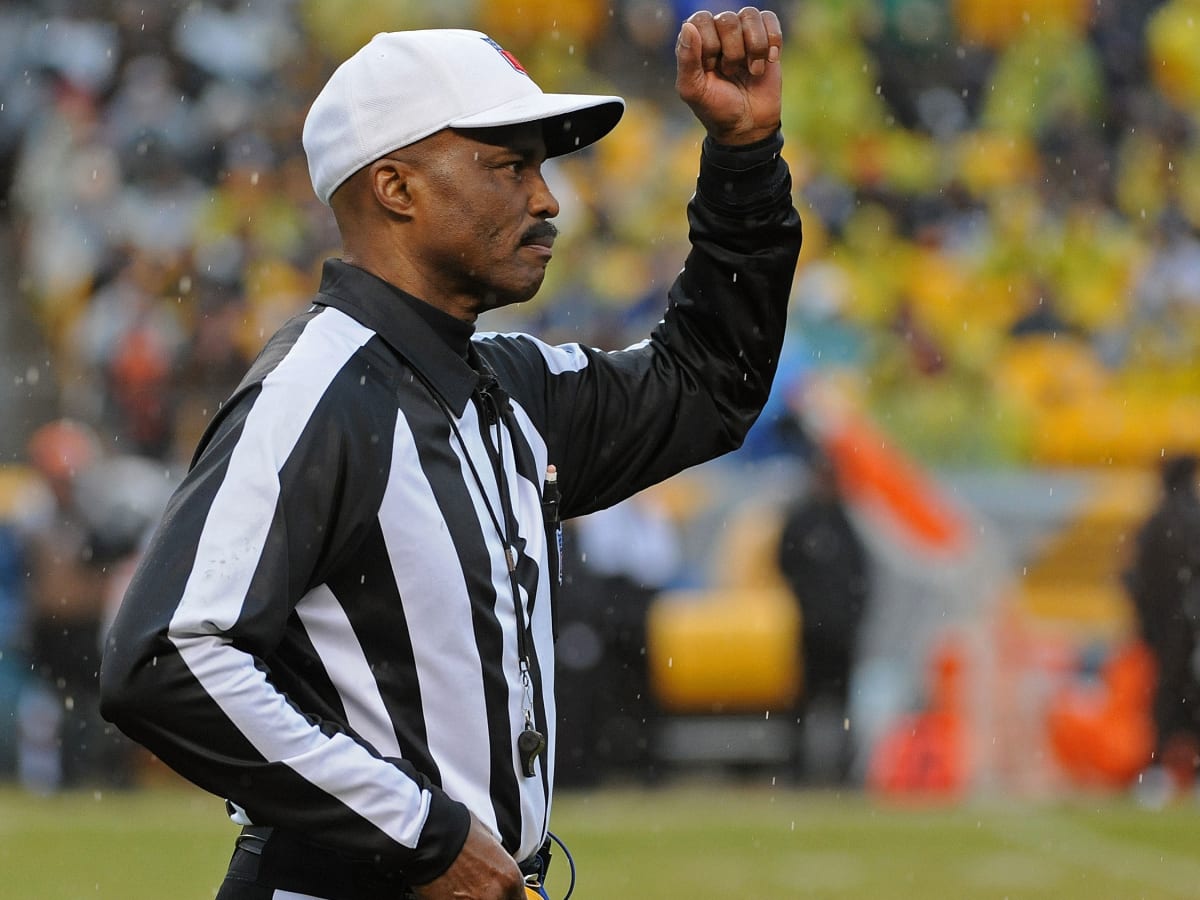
column 727, row 71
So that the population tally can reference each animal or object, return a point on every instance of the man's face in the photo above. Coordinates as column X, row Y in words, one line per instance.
column 484, row 225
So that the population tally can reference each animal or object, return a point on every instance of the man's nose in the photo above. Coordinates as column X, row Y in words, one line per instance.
column 543, row 203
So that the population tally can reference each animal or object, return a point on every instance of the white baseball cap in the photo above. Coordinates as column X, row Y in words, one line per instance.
column 406, row 85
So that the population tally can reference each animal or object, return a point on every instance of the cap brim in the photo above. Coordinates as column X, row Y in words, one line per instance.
column 569, row 121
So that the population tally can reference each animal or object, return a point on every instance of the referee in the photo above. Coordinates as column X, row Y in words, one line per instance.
column 344, row 624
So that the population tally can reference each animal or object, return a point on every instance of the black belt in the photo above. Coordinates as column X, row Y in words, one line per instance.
column 279, row 859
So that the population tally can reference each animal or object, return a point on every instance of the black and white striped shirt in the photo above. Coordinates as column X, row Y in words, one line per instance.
column 323, row 628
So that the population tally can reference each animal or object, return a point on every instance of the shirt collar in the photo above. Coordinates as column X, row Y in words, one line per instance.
column 431, row 341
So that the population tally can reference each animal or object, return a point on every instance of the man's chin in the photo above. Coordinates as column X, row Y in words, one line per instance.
column 497, row 299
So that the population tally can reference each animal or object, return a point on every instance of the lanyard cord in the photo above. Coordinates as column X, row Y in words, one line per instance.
column 503, row 531
column 496, row 454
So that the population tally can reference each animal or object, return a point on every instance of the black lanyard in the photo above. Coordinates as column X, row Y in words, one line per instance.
column 494, row 410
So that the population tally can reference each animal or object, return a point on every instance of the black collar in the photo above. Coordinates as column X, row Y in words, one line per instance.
column 431, row 341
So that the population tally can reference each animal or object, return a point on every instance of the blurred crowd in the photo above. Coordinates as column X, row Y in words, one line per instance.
column 975, row 176
column 1001, row 202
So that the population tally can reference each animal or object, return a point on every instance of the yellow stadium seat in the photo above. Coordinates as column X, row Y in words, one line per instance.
column 736, row 646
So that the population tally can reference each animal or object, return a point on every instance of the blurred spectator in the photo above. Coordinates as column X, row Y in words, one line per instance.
column 1165, row 310
column 1164, row 584
column 66, row 182
column 925, row 354
column 14, row 613
column 824, row 561
column 59, row 723
column 126, row 344
column 617, row 560
column 79, row 537
column 1043, row 317
column 236, row 41
column 212, row 363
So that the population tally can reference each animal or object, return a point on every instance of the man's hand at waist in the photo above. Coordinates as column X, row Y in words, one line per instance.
column 483, row 870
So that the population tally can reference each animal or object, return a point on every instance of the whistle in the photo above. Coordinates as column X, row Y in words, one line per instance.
column 530, row 744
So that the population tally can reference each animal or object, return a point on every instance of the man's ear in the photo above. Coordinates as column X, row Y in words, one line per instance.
column 392, row 183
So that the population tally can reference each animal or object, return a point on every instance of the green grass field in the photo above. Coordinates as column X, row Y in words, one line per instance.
column 698, row 840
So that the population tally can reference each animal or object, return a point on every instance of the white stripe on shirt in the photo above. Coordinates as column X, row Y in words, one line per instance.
column 344, row 662
column 437, row 608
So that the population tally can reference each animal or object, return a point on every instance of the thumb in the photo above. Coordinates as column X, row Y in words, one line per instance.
column 689, row 68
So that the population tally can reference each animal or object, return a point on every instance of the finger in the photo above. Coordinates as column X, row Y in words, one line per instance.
column 733, row 49
column 754, row 38
column 710, row 40
column 688, row 50
column 689, row 63
column 774, row 35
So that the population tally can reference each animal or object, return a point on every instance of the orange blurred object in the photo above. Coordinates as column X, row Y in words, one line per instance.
column 1102, row 733
column 62, row 448
column 873, row 472
column 925, row 755
column 921, row 756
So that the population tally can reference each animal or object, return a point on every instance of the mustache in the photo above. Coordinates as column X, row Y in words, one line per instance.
column 540, row 231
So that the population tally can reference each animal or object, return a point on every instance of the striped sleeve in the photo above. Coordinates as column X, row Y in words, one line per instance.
column 277, row 494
